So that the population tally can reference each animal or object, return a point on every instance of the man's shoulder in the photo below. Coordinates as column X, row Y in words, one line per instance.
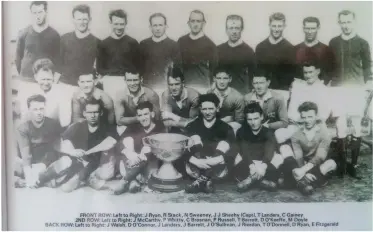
column 24, row 126
column 51, row 122
column 262, row 44
column 235, row 94
column 208, row 40
column 247, row 97
column 335, row 40
column 67, row 36
column 276, row 96
column 146, row 41
column 53, row 31
column 131, row 39
column 183, row 38
column 361, row 40
column 222, row 125
column 223, row 46
column 192, row 93
column 25, row 31
column 77, row 125
column 149, row 92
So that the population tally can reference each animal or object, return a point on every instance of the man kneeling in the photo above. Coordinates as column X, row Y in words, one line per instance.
column 257, row 161
column 308, row 166
column 136, row 163
column 212, row 141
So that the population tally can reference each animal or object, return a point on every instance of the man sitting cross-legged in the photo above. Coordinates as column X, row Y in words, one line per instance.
column 90, row 144
column 136, row 163
column 213, row 146
column 38, row 138
column 257, row 161
column 308, row 166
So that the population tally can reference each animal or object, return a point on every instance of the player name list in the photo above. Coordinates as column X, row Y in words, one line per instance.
column 192, row 220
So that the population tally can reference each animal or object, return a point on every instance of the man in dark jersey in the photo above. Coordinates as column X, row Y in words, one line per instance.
column 179, row 103
column 312, row 47
column 257, row 160
column 276, row 55
column 90, row 144
column 198, row 53
column 136, row 162
column 212, row 147
column 88, row 90
column 237, row 56
column 78, row 48
column 158, row 53
column 117, row 54
column 38, row 138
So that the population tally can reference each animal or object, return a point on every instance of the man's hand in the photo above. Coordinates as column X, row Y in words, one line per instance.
column 260, row 169
column 201, row 163
column 169, row 115
column 310, row 177
column 133, row 157
column 32, row 181
column 78, row 153
column 298, row 173
column 266, row 124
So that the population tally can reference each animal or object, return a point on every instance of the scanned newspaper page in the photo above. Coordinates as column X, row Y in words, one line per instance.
column 188, row 115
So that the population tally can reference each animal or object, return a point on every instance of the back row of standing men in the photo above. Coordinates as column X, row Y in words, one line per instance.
column 346, row 60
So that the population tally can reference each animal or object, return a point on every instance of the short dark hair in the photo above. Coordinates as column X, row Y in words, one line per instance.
column 235, row 17
column 175, row 72
column 83, row 8
column 209, row 97
column 134, row 71
column 92, row 101
column 311, row 19
column 307, row 106
column 221, row 69
column 259, row 72
column 277, row 16
column 253, row 107
column 311, row 61
column 93, row 73
column 118, row 13
column 346, row 12
column 157, row 15
column 145, row 105
column 35, row 98
column 38, row 3
column 44, row 64
column 198, row 12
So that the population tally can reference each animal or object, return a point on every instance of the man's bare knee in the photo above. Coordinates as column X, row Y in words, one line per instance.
column 286, row 151
column 65, row 162
column 105, row 173
column 71, row 184
column 328, row 166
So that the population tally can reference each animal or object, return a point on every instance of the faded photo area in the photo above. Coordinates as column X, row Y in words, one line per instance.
column 116, row 103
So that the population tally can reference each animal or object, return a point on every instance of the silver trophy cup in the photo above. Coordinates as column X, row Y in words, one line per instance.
column 167, row 147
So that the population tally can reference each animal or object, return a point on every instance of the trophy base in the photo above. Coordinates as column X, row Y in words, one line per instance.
column 166, row 185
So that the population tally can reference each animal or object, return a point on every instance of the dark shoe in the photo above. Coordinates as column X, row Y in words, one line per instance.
column 268, row 185
column 244, row 185
column 351, row 170
column 305, row 187
column 197, row 186
column 120, row 187
column 134, row 186
column 209, row 187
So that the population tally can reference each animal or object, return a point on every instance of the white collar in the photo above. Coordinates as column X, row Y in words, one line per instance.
column 80, row 35
column 316, row 83
column 152, row 125
column 96, row 93
column 159, row 39
column 313, row 43
column 39, row 29
column 92, row 129
column 220, row 94
column 266, row 96
column 195, row 37
column 235, row 44
column 273, row 41
column 348, row 37
column 114, row 36
column 183, row 96
column 209, row 124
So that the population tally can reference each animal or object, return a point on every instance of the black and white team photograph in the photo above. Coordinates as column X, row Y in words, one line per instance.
column 116, row 103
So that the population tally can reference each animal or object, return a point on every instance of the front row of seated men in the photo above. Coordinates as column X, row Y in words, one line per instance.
column 91, row 153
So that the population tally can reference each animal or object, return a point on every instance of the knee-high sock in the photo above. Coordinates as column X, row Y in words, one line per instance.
column 355, row 149
column 288, row 166
column 55, row 170
column 342, row 153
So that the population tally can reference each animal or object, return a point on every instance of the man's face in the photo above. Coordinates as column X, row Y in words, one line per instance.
column 92, row 113
column 310, row 30
column 118, row 25
column 347, row 23
column 158, row 26
column 276, row 28
column 133, row 82
column 222, row 81
column 234, row 29
column 37, row 111
column 311, row 74
column 254, row 120
column 308, row 118
column 196, row 23
column 261, row 85
column 175, row 86
column 44, row 79
column 86, row 83
column 39, row 14
column 81, row 21
column 145, row 117
column 208, row 110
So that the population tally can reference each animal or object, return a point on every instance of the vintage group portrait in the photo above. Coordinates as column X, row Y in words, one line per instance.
column 192, row 102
